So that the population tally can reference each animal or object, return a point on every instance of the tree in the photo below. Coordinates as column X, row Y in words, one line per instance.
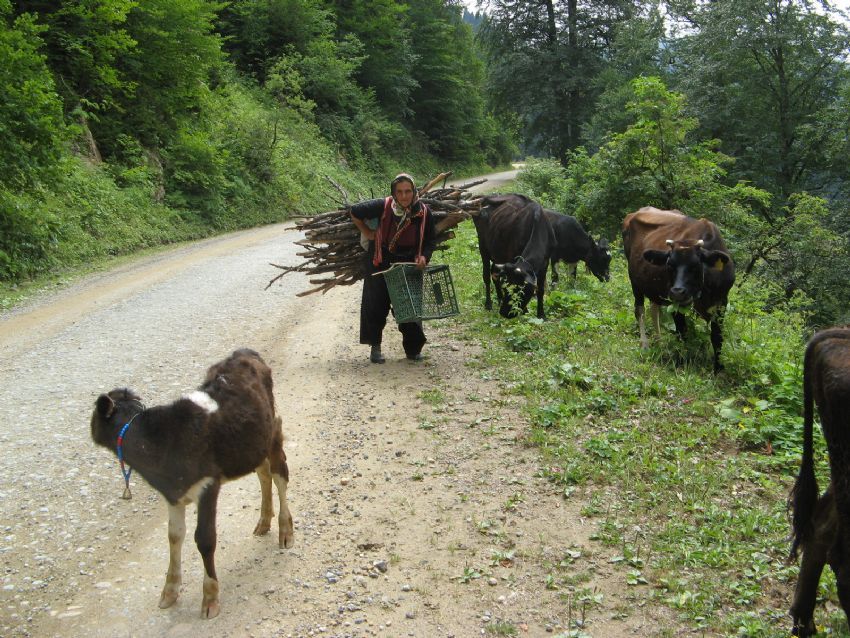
column 655, row 162
column 387, row 67
column 447, row 104
column 170, row 67
column 543, row 59
column 83, row 41
column 257, row 33
column 637, row 50
column 757, row 73
column 31, row 127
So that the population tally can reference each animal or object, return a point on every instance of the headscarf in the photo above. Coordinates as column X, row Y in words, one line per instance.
column 398, row 209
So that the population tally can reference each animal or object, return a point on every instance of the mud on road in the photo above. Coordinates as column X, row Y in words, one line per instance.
column 419, row 509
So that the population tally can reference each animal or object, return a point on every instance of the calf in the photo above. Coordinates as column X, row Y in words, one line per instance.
column 574, row 244
column 821, row 526
column 186, row 450
column 677, row 259
column 513, row 229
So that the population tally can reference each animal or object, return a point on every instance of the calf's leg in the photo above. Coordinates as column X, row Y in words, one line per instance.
column 280, row 475
column 815, row 553
column 205, row 538
column 266, row 509
column 176, row 534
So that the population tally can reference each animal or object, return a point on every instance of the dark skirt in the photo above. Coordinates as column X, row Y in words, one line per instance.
column 375, row 306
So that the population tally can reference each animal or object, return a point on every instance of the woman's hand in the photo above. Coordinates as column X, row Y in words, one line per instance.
column 421, row 262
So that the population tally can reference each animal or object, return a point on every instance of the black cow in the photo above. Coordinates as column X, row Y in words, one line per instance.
column 514, row 236
column 822, row 525
column 575, row 244
column 677, row 259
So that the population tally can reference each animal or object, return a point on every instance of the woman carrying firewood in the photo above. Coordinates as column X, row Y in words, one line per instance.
column 399, row 228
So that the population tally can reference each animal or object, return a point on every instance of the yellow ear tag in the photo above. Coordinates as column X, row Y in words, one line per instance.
column 718, row 265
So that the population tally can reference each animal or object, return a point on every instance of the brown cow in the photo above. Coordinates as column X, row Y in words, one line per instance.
column 677, row 259
column 821, row 524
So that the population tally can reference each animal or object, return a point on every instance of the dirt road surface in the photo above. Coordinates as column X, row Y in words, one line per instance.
column 418, row 508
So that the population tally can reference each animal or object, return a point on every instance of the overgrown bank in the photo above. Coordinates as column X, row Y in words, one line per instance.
column 126, row 125
column 685, row 472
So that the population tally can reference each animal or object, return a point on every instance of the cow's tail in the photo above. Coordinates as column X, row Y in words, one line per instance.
column 805, row 492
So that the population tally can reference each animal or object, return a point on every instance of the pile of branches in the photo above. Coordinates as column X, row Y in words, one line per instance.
column 332, row 250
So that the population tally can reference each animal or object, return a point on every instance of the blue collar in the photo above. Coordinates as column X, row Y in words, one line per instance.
column 120, row 450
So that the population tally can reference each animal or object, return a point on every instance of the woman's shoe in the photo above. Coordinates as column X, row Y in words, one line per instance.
column 375, row 355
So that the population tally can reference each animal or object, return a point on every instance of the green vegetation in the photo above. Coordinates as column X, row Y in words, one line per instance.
column 126, row 125
column 686, row 474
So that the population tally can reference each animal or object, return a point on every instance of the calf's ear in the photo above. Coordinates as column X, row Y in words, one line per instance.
column 530, row 278
column 657, row 257
column 105, row 406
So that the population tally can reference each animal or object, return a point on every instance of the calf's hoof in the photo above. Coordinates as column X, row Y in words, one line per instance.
column 210, row 605
column 169, row 596
column 262, row 528
column 286, row 536
column 210, row 609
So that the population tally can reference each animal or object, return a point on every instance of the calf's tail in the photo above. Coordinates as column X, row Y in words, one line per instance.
column 805, row 492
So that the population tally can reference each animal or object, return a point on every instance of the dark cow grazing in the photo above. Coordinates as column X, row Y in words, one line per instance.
column 186, row 450
column 514, row 236
column 822, row 525
column 574, row 244
column 677, row 259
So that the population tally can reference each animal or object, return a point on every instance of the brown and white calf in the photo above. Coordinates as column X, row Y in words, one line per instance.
column 186, row 450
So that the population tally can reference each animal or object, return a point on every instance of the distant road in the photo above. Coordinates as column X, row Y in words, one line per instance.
column 495, row 181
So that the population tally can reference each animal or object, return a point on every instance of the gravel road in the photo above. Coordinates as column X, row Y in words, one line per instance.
column 418, row 508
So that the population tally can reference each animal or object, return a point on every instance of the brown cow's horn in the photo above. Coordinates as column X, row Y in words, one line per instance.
column 669, row 242
column 700, row 243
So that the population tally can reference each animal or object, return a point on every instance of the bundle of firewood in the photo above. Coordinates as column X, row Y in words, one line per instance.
column 333, row 255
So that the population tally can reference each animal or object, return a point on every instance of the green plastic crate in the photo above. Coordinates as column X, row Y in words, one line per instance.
column 419, row 295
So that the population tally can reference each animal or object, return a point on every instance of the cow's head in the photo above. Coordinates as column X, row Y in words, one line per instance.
column 686, row 262
column 599, row 261
column 521, row 284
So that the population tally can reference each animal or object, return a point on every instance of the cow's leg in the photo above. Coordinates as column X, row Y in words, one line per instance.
column 815, row 553
column 264, row 474
column 681, row 324
column 554, row 274
column 839, row 461
column 541, row 289
column 717, row 340
column 176, row 534
column 655, row 317
column 497, row 284
column 205, row 538
column 639, row 311
column 487, row 276
column 280, row 474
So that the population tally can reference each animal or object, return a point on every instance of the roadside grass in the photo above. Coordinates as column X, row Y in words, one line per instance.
column 685, row 473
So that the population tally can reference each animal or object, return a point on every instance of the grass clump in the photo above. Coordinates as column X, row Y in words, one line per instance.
column 686, row 473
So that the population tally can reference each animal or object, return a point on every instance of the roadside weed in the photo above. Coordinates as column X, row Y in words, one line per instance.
column 685, row 473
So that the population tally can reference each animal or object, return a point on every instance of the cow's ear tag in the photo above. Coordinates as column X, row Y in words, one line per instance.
column 718, row 265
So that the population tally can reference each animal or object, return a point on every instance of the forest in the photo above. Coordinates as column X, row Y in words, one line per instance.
column 175, row 120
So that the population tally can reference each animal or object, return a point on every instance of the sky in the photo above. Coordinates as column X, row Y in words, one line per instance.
column 844, row 5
